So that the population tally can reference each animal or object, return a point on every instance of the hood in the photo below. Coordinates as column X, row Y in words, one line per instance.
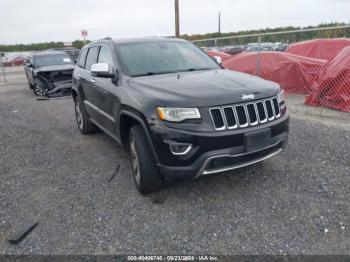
column 203, row 88
column 55, row 68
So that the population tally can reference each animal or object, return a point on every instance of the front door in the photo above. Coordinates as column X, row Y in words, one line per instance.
column 106, row 91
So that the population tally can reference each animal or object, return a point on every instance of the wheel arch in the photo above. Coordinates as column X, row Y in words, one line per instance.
column 77, row 95
column 74, row 94
column 126, row 120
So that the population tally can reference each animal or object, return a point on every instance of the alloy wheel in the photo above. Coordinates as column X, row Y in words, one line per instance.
column 135, row 161
column 79, row 115
column 39, row 91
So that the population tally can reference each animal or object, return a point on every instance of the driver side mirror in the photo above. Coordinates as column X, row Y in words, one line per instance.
column 218, row 59
column 102, row 70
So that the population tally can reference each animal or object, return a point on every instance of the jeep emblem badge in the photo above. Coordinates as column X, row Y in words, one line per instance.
column 246, row 97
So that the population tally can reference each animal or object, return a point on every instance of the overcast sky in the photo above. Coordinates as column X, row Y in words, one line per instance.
column 27, row 21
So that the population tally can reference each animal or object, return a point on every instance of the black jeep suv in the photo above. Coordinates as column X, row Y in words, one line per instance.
column 178, row 112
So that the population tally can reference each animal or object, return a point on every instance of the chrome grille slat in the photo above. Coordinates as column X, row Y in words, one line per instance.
column 273, row 108
column 266, row 102
column 276, row 107
column 264, row 119
column 252, row 122
column 231, row 120
column 216, row 120
column 256, row 112
column 245, row 114
column 243, row 117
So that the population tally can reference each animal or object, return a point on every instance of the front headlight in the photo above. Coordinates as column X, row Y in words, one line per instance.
column 178, row 114
column 280, row 97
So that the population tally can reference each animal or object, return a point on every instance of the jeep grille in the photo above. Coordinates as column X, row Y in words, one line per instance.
column 245, row 115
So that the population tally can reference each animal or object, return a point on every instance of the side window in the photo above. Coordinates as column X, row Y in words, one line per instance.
column 91, row 57
column 81, row 61
column 29, row 59
column 105, row 56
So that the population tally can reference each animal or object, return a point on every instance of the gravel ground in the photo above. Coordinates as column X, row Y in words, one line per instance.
column 296, row 203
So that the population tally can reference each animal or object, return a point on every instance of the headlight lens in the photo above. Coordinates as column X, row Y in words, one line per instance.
column 178, row 114
column 280, row 97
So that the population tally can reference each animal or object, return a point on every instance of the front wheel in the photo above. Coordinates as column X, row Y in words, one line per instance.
column 146, row 174
column 39, row 91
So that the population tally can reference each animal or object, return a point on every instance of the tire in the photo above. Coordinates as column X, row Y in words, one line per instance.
column 85, row 126
column 38, row 91
column 145, row 172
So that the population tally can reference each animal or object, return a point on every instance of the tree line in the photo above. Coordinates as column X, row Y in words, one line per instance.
column 262, row 31
column 39, row 46
column 283, row 38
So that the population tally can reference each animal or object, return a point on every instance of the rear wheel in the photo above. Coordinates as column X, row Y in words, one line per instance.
column 84, row 124
column 146, row 174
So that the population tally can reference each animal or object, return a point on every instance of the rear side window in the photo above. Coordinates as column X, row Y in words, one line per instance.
column 91, row 57
column 81, row 61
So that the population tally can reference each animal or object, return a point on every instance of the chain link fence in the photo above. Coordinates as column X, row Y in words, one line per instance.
column 311, row 65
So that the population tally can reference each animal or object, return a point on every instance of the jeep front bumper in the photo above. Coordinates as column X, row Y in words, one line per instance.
column 219, row 151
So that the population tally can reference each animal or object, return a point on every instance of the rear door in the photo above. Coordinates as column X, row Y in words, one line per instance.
column 79, row 71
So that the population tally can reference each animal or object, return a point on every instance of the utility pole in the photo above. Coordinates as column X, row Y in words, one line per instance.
column 219, row 24
column 84, row 35
column 2, row 55
column 177, row 19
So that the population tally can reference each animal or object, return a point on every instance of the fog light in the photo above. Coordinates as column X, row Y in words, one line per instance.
column 180, row 149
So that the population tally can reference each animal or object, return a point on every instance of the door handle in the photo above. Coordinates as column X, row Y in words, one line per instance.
column 80, row 75
column 92, row 80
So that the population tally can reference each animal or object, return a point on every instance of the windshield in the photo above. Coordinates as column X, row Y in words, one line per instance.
column 52, row 59
column 139, row 59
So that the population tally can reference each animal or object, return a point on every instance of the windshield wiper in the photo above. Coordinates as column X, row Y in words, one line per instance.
column 199, row 69
column 153, row 73
column 170, row 72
